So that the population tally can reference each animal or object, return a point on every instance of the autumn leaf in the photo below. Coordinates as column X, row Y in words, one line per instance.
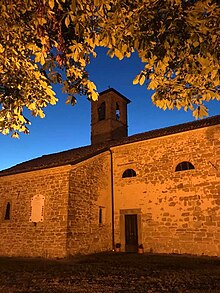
column 142, row 79
column 67, row 21
column 1, row 49
column 15, row 135
column 51, row 4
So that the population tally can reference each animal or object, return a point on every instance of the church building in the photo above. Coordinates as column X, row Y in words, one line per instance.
column 159, row 189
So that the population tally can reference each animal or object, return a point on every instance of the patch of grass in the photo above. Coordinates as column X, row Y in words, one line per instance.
column 111, row 272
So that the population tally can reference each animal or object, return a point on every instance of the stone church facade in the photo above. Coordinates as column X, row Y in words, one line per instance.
column 160, row 189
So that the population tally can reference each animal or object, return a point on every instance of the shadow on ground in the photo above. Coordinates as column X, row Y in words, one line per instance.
column 111, row 272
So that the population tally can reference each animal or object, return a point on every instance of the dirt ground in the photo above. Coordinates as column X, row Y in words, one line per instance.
column 111, row 272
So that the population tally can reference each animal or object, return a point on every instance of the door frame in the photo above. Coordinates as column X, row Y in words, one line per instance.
column 131, row 233
column 124, row 212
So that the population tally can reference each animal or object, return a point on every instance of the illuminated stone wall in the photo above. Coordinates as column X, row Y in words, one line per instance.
column 178, row 212
column 71, row 199
column 19, row 235
column 90, row 191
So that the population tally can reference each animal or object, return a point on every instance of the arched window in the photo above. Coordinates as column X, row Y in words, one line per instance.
column 129, row 173
column 7, row 211
column 101, row 111
column 184, row 166
column 117, row 112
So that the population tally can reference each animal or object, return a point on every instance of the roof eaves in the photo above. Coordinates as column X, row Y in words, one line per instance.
column 31, row 169
column 43, row 167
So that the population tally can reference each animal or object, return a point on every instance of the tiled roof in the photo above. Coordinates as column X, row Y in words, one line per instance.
column 172, row 129
column 72, row 156
column 116, row 92
column 79, row 154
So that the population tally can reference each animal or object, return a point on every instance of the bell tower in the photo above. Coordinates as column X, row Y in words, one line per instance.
column 109, row 117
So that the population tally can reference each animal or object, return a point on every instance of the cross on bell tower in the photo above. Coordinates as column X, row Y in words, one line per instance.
column 109, row 117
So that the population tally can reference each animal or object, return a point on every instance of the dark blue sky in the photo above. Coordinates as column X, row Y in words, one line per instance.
column 66, row 127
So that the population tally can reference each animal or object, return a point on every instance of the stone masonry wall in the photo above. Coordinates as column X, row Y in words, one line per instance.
column 90, row 190
column 179, row 211
column 19, row 236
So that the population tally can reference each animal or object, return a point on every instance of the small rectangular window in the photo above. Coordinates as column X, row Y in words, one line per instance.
column 101, row 216
column 7, row 211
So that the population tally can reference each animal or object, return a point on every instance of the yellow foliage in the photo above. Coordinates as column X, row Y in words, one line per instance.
column 178, row 47
column 15, row 135
column 200, row 112
column 51, row 4
column 92, row 93
column 152, row 85
column 67, row 20
column 136, row 80
column 142, row 79
column 1, row 49
column 41, row 113
column 119, row 54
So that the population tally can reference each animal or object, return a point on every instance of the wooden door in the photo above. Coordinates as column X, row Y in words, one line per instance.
column 131, row 233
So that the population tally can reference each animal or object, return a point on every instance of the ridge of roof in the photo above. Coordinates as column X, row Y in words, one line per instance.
column 116, row 92
column 74, row 156
column 210, row 121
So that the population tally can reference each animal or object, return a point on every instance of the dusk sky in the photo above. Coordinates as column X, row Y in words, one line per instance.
column 66, row 127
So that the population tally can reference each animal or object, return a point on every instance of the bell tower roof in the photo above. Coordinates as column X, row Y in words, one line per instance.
column 116, row 92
